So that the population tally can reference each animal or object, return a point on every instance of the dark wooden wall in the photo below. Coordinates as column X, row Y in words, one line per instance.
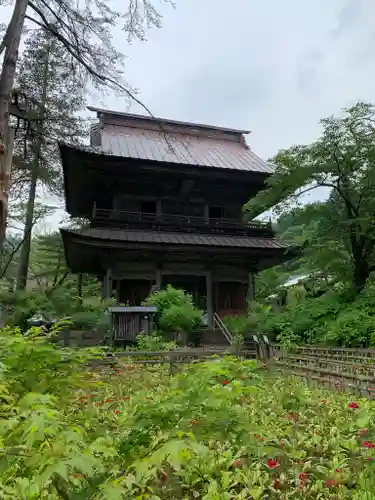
column 134, row 292
column 229, row 298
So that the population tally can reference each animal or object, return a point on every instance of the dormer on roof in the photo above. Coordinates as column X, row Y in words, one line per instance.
column 147, row 138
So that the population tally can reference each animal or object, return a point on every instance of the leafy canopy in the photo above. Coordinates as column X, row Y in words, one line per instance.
column 342, row 159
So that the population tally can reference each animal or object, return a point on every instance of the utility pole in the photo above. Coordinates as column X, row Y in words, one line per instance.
column 10, row 46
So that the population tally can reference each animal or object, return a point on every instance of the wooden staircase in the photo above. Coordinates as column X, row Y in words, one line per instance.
column 222, row 327
column 219, row 335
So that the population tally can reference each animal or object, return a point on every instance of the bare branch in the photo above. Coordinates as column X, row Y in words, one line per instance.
column 10, row 258
column 73, row 52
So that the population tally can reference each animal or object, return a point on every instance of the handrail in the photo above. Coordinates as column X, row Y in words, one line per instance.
column 179, row 222
column 223, row 328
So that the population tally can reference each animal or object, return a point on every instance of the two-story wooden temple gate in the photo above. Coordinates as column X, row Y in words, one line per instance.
column 165, row 203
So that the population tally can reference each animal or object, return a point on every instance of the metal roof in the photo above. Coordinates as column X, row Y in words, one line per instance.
column 184, row 149
column 157, row 237
column 164, row 121
column 136, row 309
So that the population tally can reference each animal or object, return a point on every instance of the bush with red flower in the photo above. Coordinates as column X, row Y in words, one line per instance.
column 219, row 429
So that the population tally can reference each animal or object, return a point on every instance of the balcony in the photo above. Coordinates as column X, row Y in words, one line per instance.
column 178, row 223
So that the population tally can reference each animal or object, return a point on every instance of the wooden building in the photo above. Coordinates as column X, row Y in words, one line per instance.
column 164, row 200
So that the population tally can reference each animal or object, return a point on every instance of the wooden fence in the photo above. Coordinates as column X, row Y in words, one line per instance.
column 78, row 338
column 343, row 369
column 172, row 358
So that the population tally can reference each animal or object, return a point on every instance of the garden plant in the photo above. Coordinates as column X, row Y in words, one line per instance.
column 222, row 429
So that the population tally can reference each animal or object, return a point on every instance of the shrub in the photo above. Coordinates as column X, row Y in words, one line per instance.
column 20, row 306
column 337, row 317
column 97, row 320
column 180, row 318
column 352, row 328
column 218, row 429
column 175, row 311
column 168, row 297
column 154, row 342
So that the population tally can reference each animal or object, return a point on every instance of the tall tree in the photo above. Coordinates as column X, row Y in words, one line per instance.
column 84, row 29
column 44, row 76
column 342, row 159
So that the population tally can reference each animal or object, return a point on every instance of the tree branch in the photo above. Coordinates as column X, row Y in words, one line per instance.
column 10, row 258
column 75, row 53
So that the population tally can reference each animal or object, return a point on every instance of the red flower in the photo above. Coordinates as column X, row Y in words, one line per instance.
column 339, row 469
column 238, row 463
column 225, row 382
column 302, row 478
column 368, row 444
column 163, row 476
column 330, row 483
column 353, row 405
column 292, row 416
column 195, row 421
column 273, row 463
column 117, row 412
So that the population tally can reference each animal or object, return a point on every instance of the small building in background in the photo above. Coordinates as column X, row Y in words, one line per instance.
column 164, row 200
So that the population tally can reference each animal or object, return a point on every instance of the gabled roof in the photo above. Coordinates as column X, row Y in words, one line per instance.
column 169, row 238
column 151, row 120
column 83, row 248
column 145, row 138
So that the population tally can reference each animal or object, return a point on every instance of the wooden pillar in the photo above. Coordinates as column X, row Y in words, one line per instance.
column 158, row 278
column 251, row 289
column 118, row 291
column 206, row 213
column 158, row 208
column 209, row 304
column 107, row 288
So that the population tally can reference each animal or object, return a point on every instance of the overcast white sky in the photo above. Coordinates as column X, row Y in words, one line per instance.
column 273, row 67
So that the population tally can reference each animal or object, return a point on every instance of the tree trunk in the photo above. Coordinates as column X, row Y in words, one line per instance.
column 27, row 232
column 361, row 272
column 80, row 288
column 12, row 40
column 29, row 219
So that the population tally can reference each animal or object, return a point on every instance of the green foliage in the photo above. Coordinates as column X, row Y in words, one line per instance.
column 319, row 254
column 336, row 318
column 218, row 429
column 60, row 93
column 343, row 161
column 154, row 342
column 91, row 319
column 175, row 310
column 48, row 266
column 20, row 306
column 253, row 323
column 180, row 318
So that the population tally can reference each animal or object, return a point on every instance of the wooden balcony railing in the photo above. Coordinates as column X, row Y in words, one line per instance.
column 180, row 223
